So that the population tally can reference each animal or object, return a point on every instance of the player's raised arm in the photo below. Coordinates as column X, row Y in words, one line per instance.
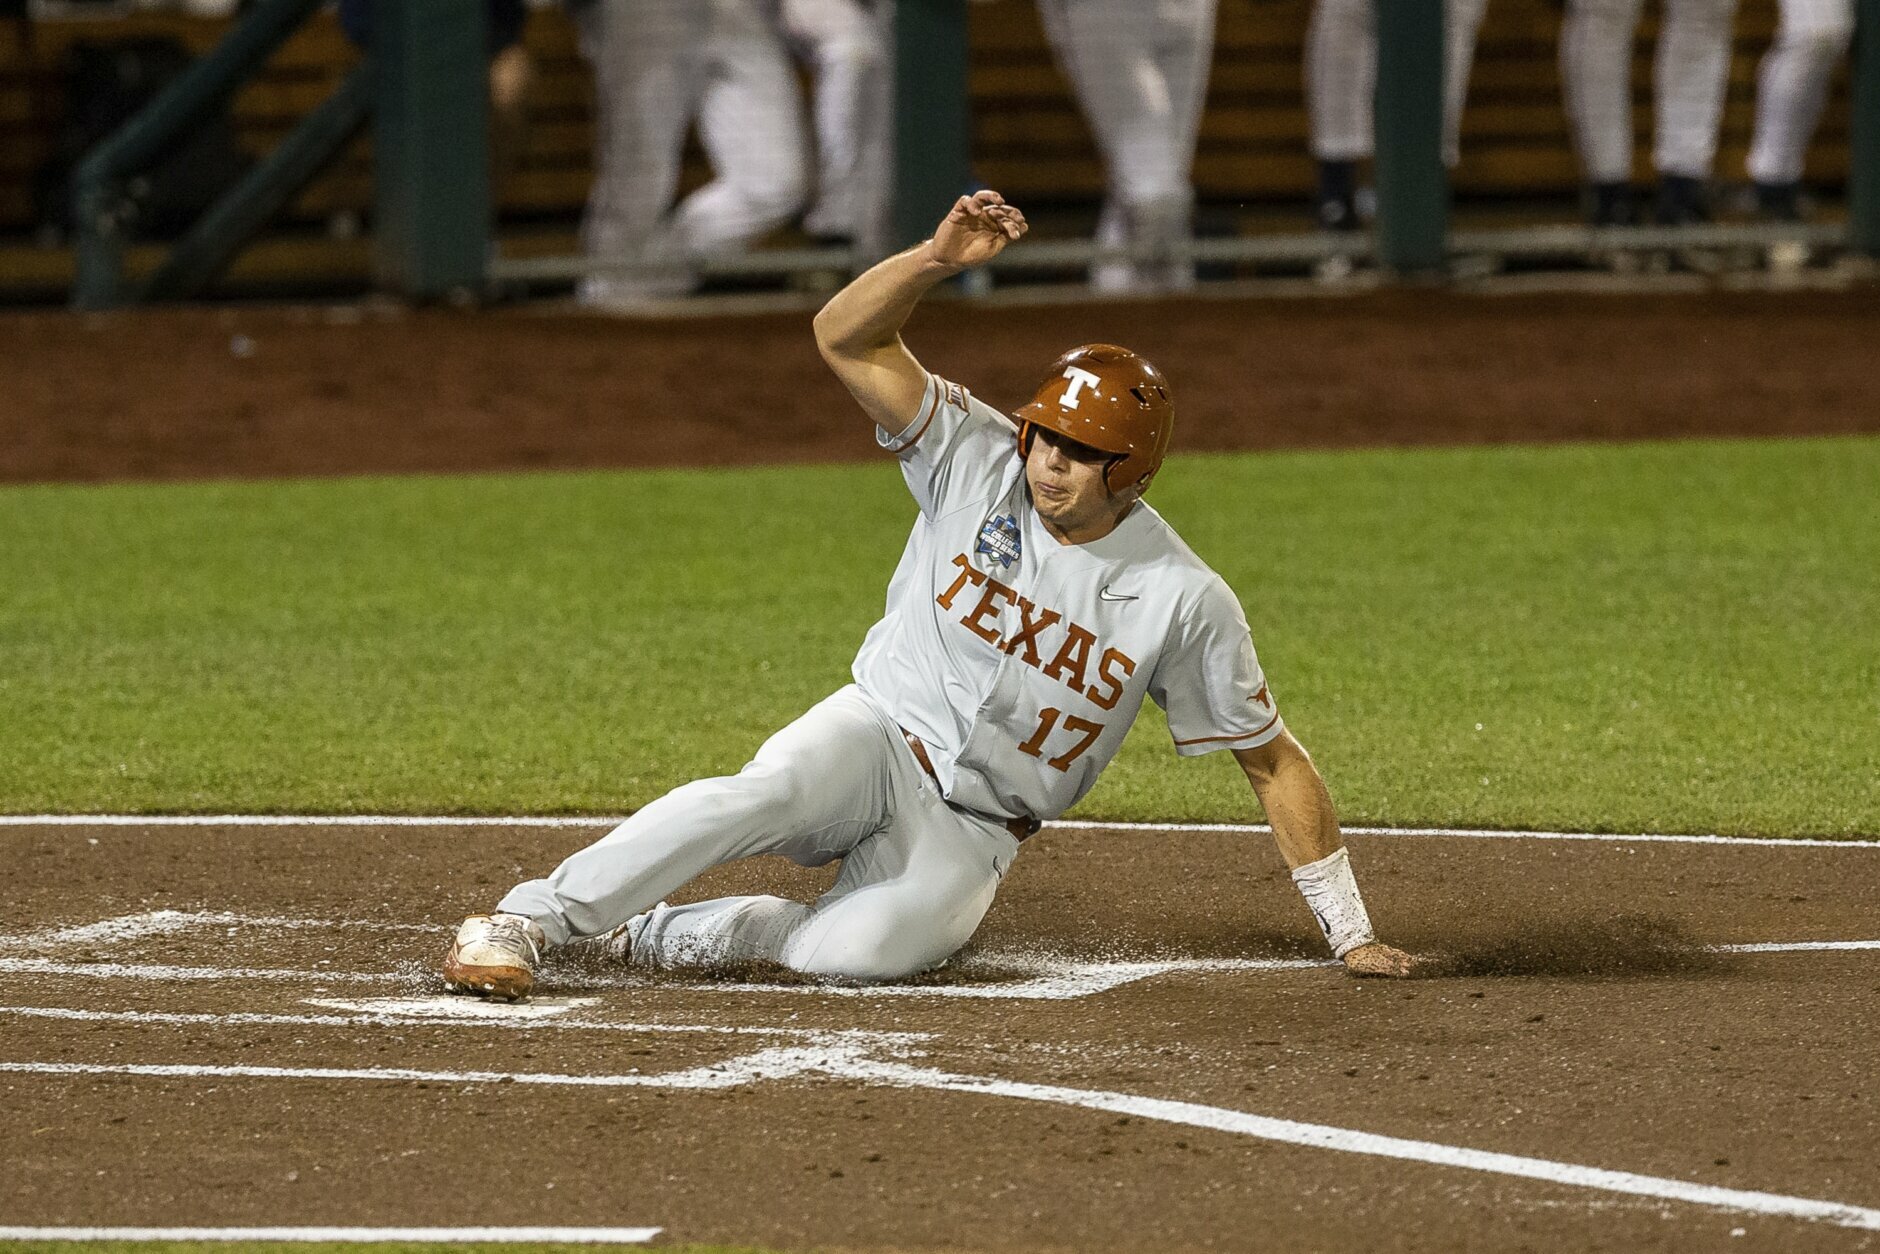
column 859, row 330
column 1299, row 807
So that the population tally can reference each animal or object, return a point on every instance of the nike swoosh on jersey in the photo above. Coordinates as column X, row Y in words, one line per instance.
column 1104, row 594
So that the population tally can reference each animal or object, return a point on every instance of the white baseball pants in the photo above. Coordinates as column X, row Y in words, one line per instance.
column 847, row 50
column 1140, row 71
column 840, row 782
column 1792, row 85
column 1341, row 75
column 1690, row 77
column 657, row 63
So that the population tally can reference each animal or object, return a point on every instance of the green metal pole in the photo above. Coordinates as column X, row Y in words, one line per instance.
column 932, row 124
column 99, row 205
column 430, row 146
column 1412, row 185
column 227, row 225
column 1863, row 180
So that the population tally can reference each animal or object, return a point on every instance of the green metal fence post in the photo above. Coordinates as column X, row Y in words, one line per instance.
column 1863, row 179
column 99, row 204
column 226, row 226
column 98, row 252
column 430, row 146
column 932, row 143
column 1412, row 185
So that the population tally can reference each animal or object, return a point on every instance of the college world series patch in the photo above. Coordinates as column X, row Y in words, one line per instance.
column 999, row 538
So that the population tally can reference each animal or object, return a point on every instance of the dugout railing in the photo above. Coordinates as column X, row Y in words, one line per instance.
column 421, row 88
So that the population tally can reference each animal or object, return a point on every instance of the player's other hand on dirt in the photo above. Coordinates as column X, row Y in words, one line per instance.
column 976, row 230
column 1380, row 959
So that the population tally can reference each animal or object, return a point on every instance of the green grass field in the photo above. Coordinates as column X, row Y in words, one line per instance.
column 1677, row 637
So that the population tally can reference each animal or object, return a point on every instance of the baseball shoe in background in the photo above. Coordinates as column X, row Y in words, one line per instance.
column 494, row 955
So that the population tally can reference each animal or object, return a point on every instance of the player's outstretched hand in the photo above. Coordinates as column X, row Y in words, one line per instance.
column 977, row 229
column 1379, row 959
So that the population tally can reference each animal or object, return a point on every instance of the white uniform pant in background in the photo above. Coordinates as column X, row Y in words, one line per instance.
column 840, row 782
column 1341, row 75
column 847, row 50
column 657, row 64
column 1792, row 85
column 1691, row 74
column 1140, row 71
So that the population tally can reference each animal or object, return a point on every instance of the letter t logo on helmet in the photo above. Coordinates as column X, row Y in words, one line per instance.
column 1107, row 397
column 1080, row 379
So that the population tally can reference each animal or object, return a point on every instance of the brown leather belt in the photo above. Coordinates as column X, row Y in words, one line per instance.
column 1020, row 828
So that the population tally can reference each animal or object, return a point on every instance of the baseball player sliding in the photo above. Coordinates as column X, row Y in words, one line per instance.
column 1038, row 601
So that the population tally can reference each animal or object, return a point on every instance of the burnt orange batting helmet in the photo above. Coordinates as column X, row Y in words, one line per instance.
column 1114, row 401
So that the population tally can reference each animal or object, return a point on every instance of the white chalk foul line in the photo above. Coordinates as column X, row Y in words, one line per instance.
column 1060, row 982
column 766, row 1064
column 1351, row 1141
column 475, row 1014
column 852, row 1063
column 602, row 821
column 161, row 922
column 1066, row 982
column 426, row 1236
column 1797, row 947
column 158, row 971
column 1077, row 979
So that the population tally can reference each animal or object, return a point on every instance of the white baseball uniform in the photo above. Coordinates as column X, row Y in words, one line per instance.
column 1691, row 74
column 657, row 64
column 1341, row 74
column 1140, row 71
column 1792, row 85
column 1017, row 661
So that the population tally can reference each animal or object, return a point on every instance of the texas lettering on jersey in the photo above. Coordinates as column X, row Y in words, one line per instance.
column 1070, row 665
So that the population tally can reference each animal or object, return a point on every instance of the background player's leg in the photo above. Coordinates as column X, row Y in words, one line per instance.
column 646, row 56
column 751, row 125
column 1462, row 21
column 849, row 56
column 1341, row 78
column 1185, row 52
column 907, row 898
column 1691, row 76
column 813, row 790
column 1107, row 52
column 1791, row 89
column 1596, row 77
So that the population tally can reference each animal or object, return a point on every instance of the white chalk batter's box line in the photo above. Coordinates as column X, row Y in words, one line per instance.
column 348, row 1236
column 1025, row 977
column 1041, row 978
column 854, row 1063
column 604, row 821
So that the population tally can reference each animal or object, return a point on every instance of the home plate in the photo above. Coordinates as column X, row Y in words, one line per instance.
column 448, row 1006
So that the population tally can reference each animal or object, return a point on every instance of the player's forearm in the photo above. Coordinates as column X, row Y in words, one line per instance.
column 1299, row 808
column 868, row 314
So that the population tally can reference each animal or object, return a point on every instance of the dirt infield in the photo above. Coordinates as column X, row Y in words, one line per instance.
column 1140, row 1051
column 189, row 393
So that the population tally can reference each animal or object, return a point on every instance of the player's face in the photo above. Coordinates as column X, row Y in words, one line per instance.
column 1067, row 487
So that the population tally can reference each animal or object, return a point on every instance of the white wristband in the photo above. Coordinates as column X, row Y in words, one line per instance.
column 1332, row 892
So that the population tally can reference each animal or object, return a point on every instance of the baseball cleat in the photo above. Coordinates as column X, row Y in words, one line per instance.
column 494, row 955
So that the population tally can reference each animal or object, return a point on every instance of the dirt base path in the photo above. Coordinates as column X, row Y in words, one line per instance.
column 191, row 393
column 1129, row 1057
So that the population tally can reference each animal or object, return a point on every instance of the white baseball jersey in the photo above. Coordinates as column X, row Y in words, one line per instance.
column 1021, row 661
